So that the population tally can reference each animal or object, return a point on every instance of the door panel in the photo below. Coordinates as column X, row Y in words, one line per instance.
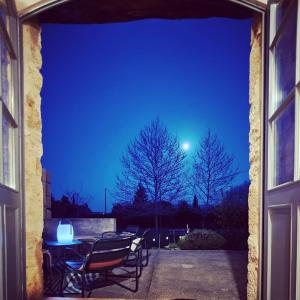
column 279, row 251
column 1, row 255
column 12, row 252
column 10, row 246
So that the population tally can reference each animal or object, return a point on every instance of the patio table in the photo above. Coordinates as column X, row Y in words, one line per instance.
column 59, row 248
column 57, row 252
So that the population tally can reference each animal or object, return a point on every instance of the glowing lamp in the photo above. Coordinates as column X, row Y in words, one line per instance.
column 65, row 233
column 167, row 238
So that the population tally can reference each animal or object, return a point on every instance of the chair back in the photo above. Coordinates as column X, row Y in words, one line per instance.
column 109, row 234
column 145, row 233
column 132, row 229
column 47, row 262
column 145, row 238
column 107, row 254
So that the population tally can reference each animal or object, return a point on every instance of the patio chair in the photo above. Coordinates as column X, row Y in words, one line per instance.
column 47, row 269
column 145, row 245
column 133, row 229
column 134, row 253
column 105, row 255
column 136, row 249
column 141, row 243
column 53, row 275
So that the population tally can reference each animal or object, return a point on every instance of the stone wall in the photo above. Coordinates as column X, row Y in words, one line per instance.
column 255, row 140
column 32, row 154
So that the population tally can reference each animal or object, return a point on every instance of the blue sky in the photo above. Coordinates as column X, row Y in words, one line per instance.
column 103, row 83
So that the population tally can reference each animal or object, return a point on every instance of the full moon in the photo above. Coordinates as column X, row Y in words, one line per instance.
column 186, row 146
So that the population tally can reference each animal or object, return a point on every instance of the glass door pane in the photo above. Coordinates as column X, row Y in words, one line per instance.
column 8, row 152
column 285, row 61
column 284, row 132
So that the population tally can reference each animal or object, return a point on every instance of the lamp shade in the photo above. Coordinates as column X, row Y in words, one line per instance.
column 65, row 233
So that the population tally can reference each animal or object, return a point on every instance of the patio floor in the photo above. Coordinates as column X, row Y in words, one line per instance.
column 175, row 274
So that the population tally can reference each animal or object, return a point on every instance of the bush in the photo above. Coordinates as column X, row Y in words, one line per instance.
column 236, row 239
column 202, row 239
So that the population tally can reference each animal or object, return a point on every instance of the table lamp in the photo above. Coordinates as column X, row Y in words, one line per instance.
column 65, row 232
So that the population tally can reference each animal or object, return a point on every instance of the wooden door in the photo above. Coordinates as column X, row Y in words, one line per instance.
column 11, row 270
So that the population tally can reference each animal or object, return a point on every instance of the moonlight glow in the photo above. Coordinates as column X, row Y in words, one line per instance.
column 186, row 146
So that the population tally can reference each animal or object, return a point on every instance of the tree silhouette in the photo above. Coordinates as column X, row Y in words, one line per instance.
column 155, row 160
column 140, row 196
column 213, row 169
column 195, row 202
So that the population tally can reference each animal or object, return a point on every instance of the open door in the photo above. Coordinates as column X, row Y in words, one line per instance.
column 10, row 201
column 282, row 163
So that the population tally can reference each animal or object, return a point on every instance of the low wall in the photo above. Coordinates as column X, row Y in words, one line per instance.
column 81, row 226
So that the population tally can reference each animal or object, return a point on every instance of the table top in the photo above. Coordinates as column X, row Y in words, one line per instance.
column 85, row 238
column 80, row 239
column 58, row 244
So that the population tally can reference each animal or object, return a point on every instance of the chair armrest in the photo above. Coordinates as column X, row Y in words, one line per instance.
column 138, row 248
column 135, row 244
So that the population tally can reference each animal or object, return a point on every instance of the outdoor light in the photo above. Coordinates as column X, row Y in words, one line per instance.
column 153, row 240
column 65, row 233
column 167, row 238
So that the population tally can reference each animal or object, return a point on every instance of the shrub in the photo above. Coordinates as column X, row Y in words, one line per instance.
column 236, row 239
column 202, row 239
column 172, row 246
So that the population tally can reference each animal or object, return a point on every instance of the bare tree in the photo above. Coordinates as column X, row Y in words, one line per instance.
column 213, row 169
column 156, row 161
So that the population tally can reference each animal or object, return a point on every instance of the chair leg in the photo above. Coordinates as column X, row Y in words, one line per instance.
column 140, row 261
column 147, row 258
column 61, row 287
column 82, row 285
column 137, row 275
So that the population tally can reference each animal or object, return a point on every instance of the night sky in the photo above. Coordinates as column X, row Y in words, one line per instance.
column 103, row 83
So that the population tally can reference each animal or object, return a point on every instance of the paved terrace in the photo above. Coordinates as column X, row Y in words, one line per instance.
column 175, row 274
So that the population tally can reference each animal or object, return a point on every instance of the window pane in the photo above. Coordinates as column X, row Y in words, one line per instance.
column 5, row 74
column 285, row 60
column 284, row 145
column 8, row 153
column 281, row 10
column 4, row 15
